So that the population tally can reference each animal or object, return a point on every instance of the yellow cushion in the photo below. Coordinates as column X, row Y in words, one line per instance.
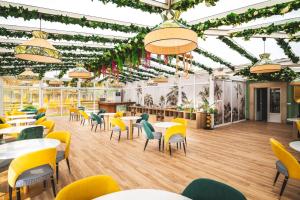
column 63, row 137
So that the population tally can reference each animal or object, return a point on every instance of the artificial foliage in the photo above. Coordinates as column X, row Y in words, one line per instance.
column 289, row 28
column 237, row 48
column 26, row 14
column 169, row 64
column 284, row 75
column 287, row 50
column 214, row 58
column 184, row 5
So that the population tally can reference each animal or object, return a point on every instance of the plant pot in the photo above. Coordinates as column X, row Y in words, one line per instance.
column 209, row 124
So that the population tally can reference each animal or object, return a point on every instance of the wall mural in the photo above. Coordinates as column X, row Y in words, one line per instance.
column 148, row 100
column 218, row 93
column 235, row 94
column 172, row 96
column 227, row 101
column 241, row 98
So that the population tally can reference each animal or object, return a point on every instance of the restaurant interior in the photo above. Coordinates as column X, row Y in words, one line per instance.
column 150, row 99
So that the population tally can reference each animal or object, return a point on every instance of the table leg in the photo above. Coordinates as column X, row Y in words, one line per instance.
column 130, row 130
column 295, row 131
column 107, row 122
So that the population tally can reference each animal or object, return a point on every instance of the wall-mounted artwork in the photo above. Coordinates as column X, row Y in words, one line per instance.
column 172, row 96
column 148, row 100
column 235, row 115
column 139, row 93
column 227, row 101
column 241, row 99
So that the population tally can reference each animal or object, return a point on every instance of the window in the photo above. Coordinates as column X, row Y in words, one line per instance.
column 275, row 100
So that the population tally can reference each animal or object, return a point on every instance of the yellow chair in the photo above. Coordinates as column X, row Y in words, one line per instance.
column 31, row 168
column 40, row 120
column 12, row 137
column 118, row 126
column 287, row 164
column 63, row 137
column 298, row 127
column 183, row 122
column 175, row 134
column 2, row 120
column 49, row 124
column 41, row 110
column 89, row 188
column 85, row 117
column 15, row 112
column 119, row 114
column 74, row 113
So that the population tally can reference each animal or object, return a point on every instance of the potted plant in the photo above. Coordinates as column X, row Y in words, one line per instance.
column 209, row 110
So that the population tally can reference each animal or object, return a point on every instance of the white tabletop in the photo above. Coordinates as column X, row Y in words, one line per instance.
column 165, row 124
column 107, row 114
column 143, row 194
column 29, row 112
column 15, row 149
column 20, row 116
column 295, row 145
column 15, row 129
column 293, row 119
column 20, row 121
column 131, row 118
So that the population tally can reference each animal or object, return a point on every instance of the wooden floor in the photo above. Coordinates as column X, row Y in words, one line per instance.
column 238, row 154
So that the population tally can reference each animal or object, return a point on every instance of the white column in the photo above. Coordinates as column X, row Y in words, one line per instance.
column 179, row 91
column 21, row 105
column 94, row 96
column 79, row 95
column 194, row 88
column 1, row 97
column 61, row 101
column 41, row 99
column 211, row 90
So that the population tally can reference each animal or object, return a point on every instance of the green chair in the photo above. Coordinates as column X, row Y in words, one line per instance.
column 31, row 133
column 151, row 134
column 40, row 115
column 96, row 120
column 207, row 189
column 138, row 123
column 102, row 116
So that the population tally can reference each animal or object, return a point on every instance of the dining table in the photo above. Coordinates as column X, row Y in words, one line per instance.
column 295, row 129
column 18, row 148
column 21, row 121
column 20, row 116
column 165, row 125
column 130, row 119
column 295, row 145
column 15, row 129
column 143, row 194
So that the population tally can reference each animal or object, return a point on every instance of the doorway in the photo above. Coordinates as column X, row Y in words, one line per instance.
column 261, row 104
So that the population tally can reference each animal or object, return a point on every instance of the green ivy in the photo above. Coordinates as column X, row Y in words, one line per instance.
column 26, row 14
column 184, row 5
column 237, row 48
column 287, row 50
column 169, row 65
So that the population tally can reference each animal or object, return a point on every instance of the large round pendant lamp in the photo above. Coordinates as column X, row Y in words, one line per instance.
column 28, row 74
column 55, row 82
column 265, row 64
column 171, row 37
column 38, row 49
column 80, row 72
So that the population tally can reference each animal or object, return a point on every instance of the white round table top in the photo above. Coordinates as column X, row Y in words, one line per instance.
column 19, row 121
column 293, row 119
column 15, row 129
column 144, row 194
column 165, row 124
column 107, row 114
column 295, row 145
column 15, row 149
column 131, row 118
column 20, row 116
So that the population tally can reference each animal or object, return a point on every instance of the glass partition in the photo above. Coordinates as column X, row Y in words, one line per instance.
column 52, row 100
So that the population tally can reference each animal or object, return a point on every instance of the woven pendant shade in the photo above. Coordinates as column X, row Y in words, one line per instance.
column 55, row 82
column 265, row 65
column 295, row 82
column 38, row 49
column 80, row 72
column 160, row 79
column 171, row 37
column 28, row 74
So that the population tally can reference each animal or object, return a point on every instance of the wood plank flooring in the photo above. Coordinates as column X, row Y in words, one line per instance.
column 237, row 154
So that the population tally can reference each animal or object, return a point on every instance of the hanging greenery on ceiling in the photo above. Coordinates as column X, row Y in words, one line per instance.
column 249, row 15
column 237, row 48
column 184, row 5
column 289, row 28
column 284, row 75
column 287, row 50
column 26, row 14
column 214, row 58
column 169, row 65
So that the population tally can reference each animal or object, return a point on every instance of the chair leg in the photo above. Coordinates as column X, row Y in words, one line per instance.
column 10, row 192
column 159, row 144
column 68, row 163
column 127, row 135
column 283, row 185
column 146, row 144
column 18, row 193
column 56, row 172
column 45, row 184
column 276, row 177
column 119, row 136
column 177, row 145
column 170, row 149
column 183, row 144
column 138, row 131
column 96, row 127
column 163, row 145
column 53, row 186
column 111, row 134
column 92, row 127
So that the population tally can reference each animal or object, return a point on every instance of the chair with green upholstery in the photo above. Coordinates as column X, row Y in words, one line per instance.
column 207, row 189
column 151, row 134
column 40, row 115
column 31, row 133
column 101, row 111
column 96, row 120
column 138, row 124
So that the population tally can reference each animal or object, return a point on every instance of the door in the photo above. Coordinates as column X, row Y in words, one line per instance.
column 261, row 104
column 274, row 114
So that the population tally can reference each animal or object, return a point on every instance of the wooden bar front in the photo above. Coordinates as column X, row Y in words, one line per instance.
column 111, row 107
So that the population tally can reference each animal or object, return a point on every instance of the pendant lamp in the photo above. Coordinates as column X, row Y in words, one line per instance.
column 38, row 49
column 295, row 82
column 265, row 64
column 171, row 37
column 160, row 79
column 55, row 82
column 28, row 74
column 80, row 72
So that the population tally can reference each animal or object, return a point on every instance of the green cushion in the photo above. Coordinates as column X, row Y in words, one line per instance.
column 31, row 133
column 207, row 189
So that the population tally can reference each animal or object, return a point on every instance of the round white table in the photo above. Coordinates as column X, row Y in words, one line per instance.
column 295, row 145
column 144, row 194
column 21, row 121
column 15, row 129
column 20, row 116
column 165, row 125
column 130, row 119
column 15, row 149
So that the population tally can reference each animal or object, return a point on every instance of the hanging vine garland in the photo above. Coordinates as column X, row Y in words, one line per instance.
column 26, row 14
column 287, row 50
column 184, row 5
column 235, row 47
column 169, row 65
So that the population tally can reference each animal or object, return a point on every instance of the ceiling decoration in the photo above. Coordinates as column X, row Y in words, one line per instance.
column 288, row 50
column 170, row 37
column 265, row 64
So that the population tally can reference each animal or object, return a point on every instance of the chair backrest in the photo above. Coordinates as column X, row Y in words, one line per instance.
column 97, row 118
column 84, row 114
column 298, row 125
column 180, row 121
column 119, row 123
column 40, row 115
column 174, row 130
column 29, row 161
column 2, row 120
column 15, row 112
column 49, row 124
column 207, row 189
column 73, row 110
column 88, row 188
column 40, row 120
column 147, row 129
column 31, row 133
column 63, row 137
column 119, row 114
column 144, row 116
column 41, row 110
column 101, row 111
column 287, row 159
column 5, row 126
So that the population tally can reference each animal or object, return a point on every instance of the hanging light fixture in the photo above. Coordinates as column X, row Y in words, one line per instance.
column 265, row 64
column 80, row 72
column 295, row 82
column 28, row 74
column 160, row 79
column 170, row 37
column 38, row 49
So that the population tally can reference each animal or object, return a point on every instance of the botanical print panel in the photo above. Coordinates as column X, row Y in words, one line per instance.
column 235, row 115
column 241, row 99
column 227, row 101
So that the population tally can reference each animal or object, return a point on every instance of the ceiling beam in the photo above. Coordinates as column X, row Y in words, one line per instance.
column 156, row 4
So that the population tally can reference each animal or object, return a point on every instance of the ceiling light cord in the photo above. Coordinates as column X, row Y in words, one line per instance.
column 264, row 39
